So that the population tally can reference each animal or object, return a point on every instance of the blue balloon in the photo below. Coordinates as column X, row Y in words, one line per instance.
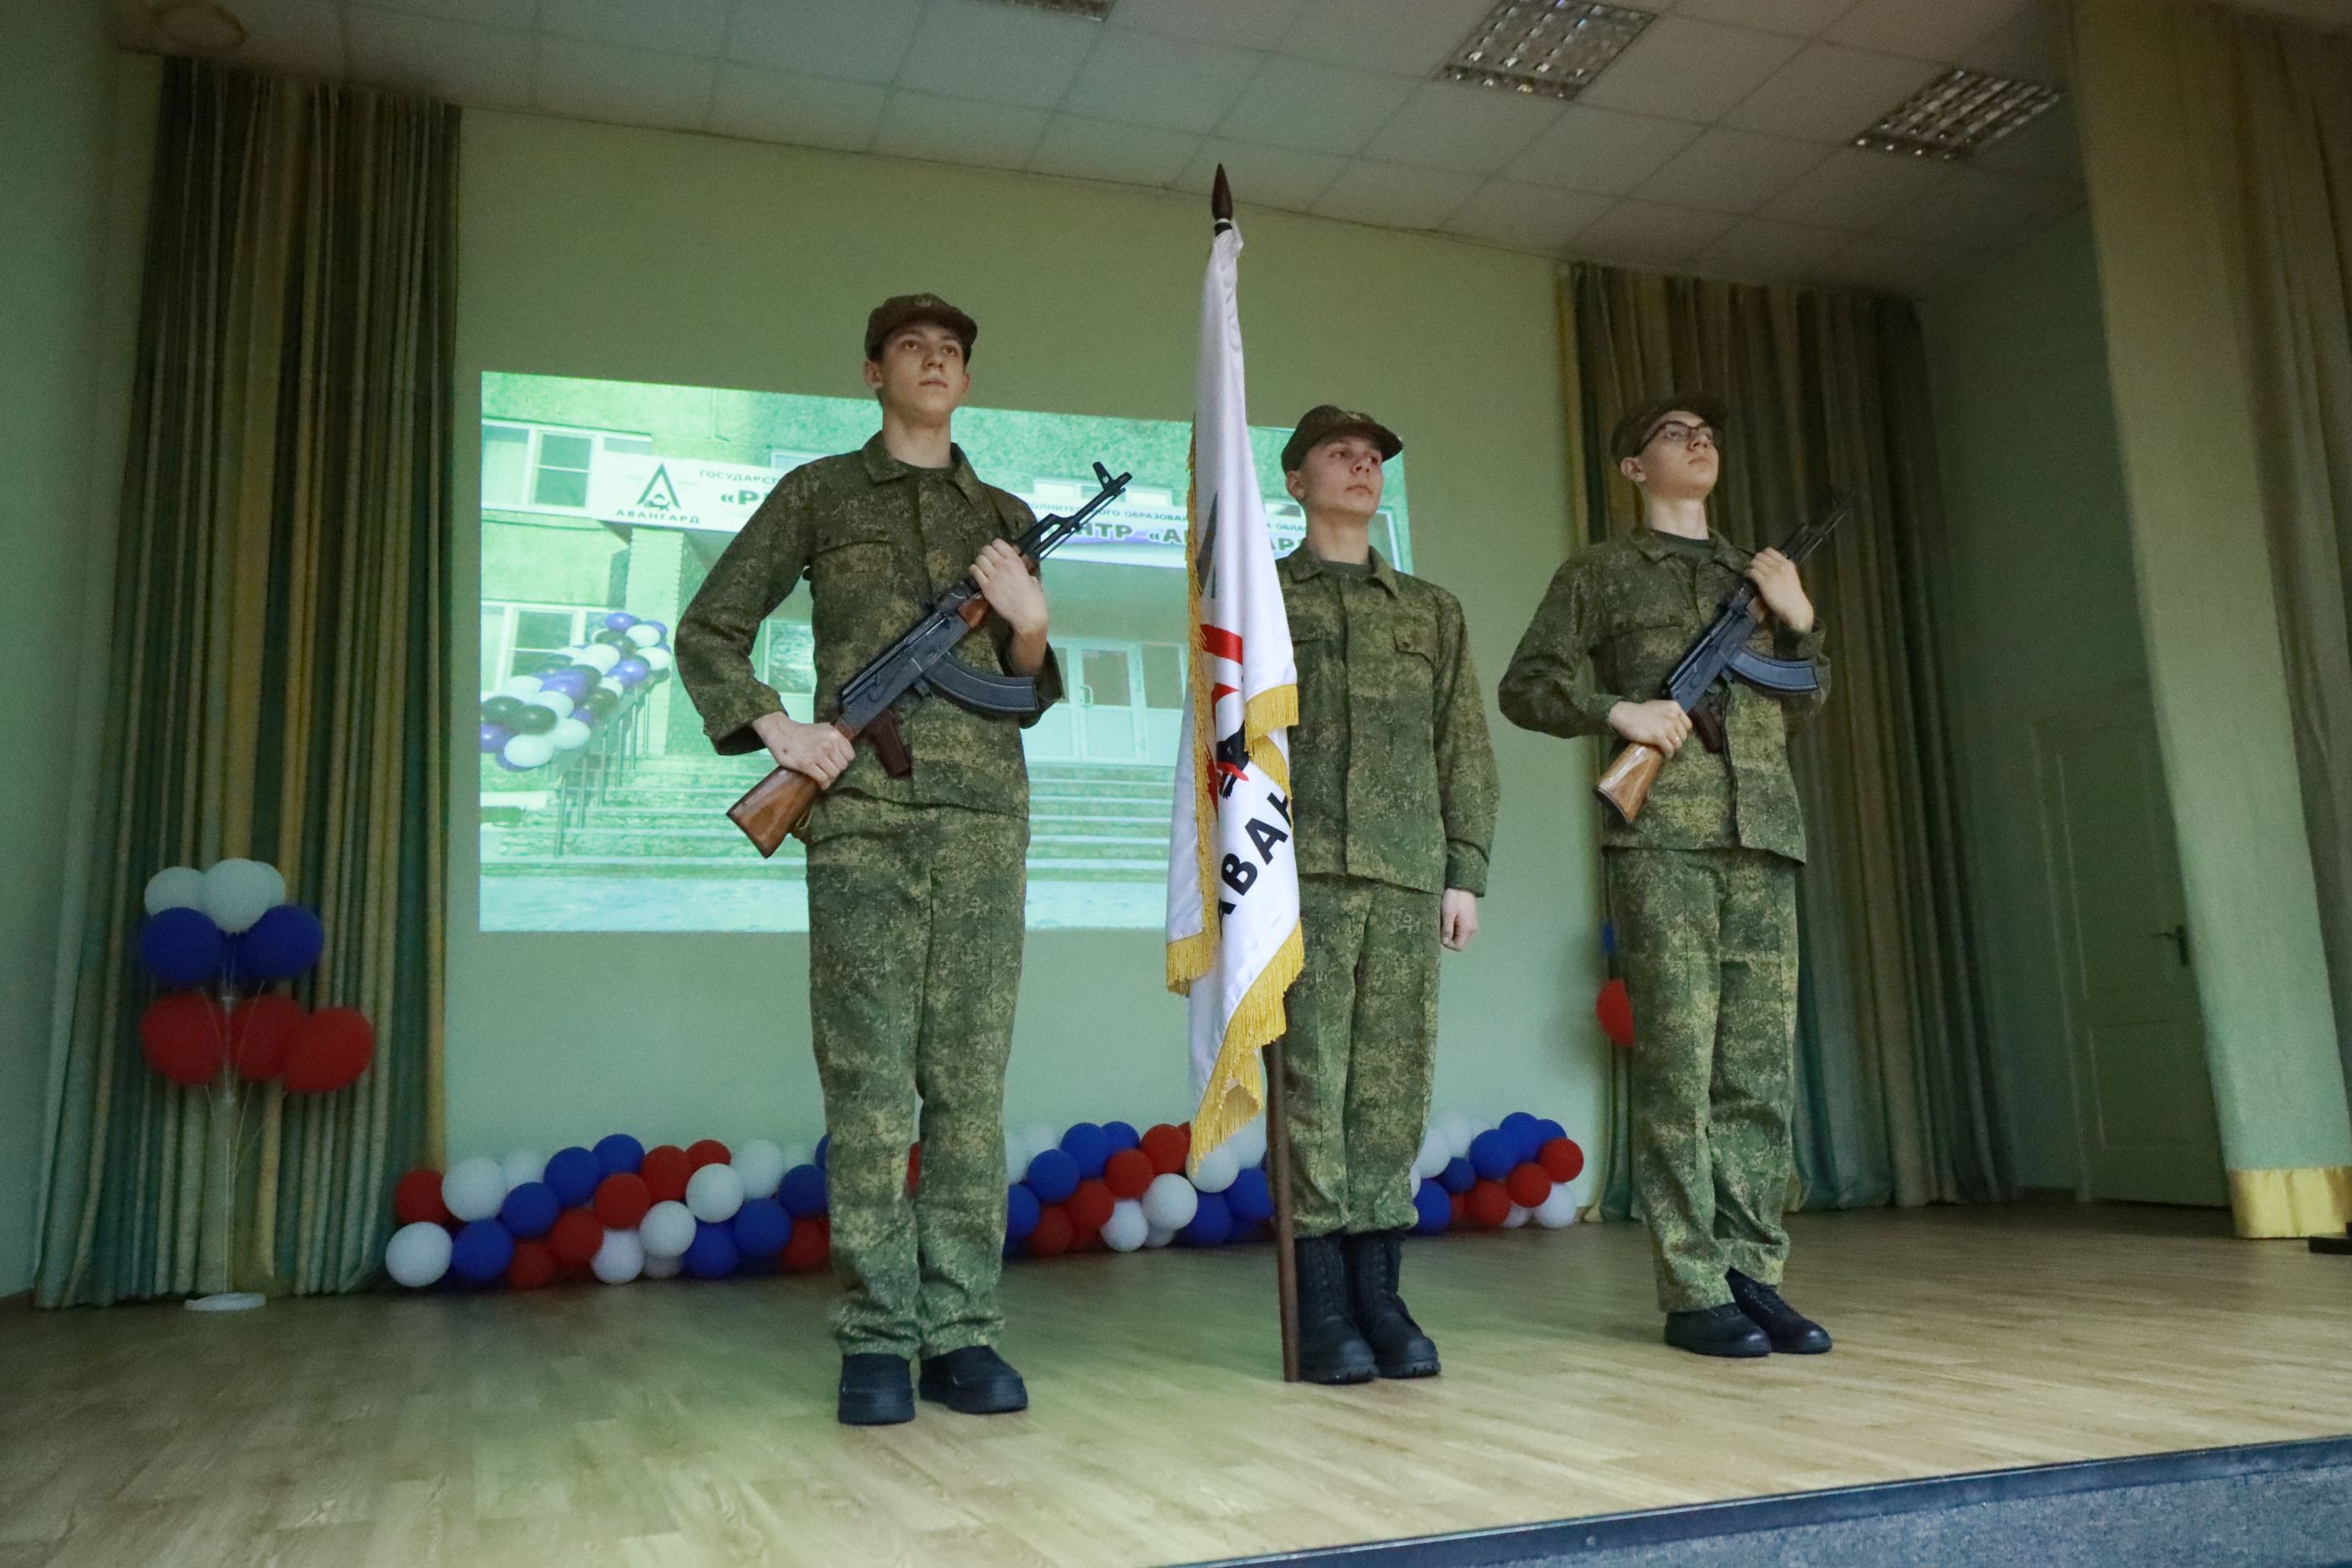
column 1089, row 1146
column 1213, row 1223
column 1549, row 1131
column 1432, row 1209
column 182, row 947
column 530, row 1211
column 1526, row 1134
column 286, row 941
column 1019, row 1213
column 482, row 1252
column 1053, row 1176
column 620, row 1155
column 1458, row 1176
column 1492, row 1153
column 1122, row 1135
column 803, row 1193
column 824, row 1146
column 1609, row 938
column 1249, row 1198
column 762, row 1227
column 573, row 1173
column 712, row 1255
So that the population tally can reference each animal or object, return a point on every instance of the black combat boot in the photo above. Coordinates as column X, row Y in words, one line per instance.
column 1722, row 1330
column 975, row 1381
column 1399, row 1347
column 1791, row 1332
column 875, row 1391
column 1330, row 1348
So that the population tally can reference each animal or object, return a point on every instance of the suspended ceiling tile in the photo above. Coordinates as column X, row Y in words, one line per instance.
column 1472, row 130
column 1175, row 84
column 2047, row 146
column 1769, row 252
column 1404, row 37
column 512, row 14
column 997, row 54
column 1923, row 29
column 958, row 130
column 626, row 87
column 1895, row 266
column 1589, row 148
column 1527, row 217
column 1314, row 107
column 1731, row 171
column 1395, row 196
column 1644, row 233
column 1247, row 23
column 1689, row 70
column 1262, row 176
column 1804, row 18
column 1980, row 207
column 481, row 68
column 852, row 40
column 1856, row 190
column 1830, row 93
column 675, row 26
column 1105, row 149
column 2030, row 46
column 808, row 111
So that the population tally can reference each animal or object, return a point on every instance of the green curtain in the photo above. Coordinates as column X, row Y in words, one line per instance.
column 1896, row 1083
column 278, row 685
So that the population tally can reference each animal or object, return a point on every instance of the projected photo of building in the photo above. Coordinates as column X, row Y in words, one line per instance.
column 599, row 496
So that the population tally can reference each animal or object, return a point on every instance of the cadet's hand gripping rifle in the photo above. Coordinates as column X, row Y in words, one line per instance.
column 921, row 660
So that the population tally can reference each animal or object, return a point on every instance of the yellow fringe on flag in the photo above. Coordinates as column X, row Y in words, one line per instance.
column 1237, row 1090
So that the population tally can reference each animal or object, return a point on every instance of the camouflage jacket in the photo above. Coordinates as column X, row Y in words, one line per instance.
column 878, row 541
column 1611, row 628
column 1393, row 776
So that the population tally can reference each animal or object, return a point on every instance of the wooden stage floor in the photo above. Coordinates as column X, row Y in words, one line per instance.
column 677, row 1423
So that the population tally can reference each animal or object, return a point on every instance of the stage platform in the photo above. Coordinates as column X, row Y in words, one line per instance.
column 681, row 1424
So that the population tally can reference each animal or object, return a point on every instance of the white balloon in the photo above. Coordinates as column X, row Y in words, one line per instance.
column 1170, row 1202
column 603, row 655
column 661, row 1267
column 1216, row 1169
column 714, row 1193
column 522, row 685
column 645, row 635
column 1017, row 1157
column 1459, row 1131
column 760, row 1166
column 613, row 685
column 1558, row 1210
column 474, row 1188
column 237, row 892
column 1159, row 1236
column 1036, row 1139
column 1126, row 1229
column 1249, row 1145
column 621, row 1259
column 522, row 1165
column 1435, row 1150
column 417, row 1255
column 555, row 702
column 175, row 888
column 1516, row 1217
column 658, row 657
column 529, row 751
column 569, row 734
column 667, row 1230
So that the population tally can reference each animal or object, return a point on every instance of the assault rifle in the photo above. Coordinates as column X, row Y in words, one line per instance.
column 922, row 661
column 1719, row 652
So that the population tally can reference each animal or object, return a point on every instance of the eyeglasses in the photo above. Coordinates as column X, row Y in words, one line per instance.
column 1675, row 433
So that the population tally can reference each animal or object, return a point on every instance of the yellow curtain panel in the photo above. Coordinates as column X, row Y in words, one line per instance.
column 279, row 680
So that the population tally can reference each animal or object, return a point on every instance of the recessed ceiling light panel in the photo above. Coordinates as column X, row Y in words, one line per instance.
column 1551, row 46
column 1958, row 115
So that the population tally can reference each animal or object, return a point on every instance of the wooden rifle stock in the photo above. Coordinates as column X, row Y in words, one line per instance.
column 1627, row 783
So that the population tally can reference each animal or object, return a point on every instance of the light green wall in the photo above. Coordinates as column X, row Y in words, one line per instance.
column 2044, row 616
column 596, row 251
column 54, row 84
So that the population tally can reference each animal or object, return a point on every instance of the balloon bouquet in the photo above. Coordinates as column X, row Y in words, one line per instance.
column 218, row 939
column 554, row 709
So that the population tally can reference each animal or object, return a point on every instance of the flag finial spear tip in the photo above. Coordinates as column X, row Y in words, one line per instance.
column 1220, row 199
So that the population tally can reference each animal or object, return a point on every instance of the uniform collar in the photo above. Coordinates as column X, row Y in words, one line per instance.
column 881, row 467
column 1304, row 564
column 1655, row 545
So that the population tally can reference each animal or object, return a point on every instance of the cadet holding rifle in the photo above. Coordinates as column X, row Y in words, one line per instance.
column 916, row 853
column 1702, row 874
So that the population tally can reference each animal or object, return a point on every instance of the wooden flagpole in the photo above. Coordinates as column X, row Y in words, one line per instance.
column 1277, row 1127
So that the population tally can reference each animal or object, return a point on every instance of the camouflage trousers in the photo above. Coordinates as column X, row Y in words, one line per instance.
column 915, row 924
column 1359, row 1054
column 1709, row 942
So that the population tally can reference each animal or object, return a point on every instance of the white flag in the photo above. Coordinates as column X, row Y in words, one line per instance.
column 1233, row 871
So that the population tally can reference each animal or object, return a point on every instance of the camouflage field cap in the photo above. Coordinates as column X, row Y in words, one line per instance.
column 1325, row 420
column 1634, row 431
column 900, row 308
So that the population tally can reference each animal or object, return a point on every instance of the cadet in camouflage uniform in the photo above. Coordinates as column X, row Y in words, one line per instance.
column 1394, row 789
column 916, row 883
column 1702, row 885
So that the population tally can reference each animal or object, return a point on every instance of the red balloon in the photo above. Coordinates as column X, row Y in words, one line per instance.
column 708, row 1152
column 622, row 1200
column 1562, row 1159
column 1460, row 1204
column 1166, row 1148
column 183, row 1035
column 533, row 1266
column 914, row 1167
column 416, row 1199
column 1616, row 1011
column 811, row 1243
column 1128, row 1172
column 1490, row 1205
column 576, row 1237
column 331, row 1048
column 1089, row 1207
column 260, row 1032
column 1053, row 1233
column 665, row 1168
column 1527, row 1184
